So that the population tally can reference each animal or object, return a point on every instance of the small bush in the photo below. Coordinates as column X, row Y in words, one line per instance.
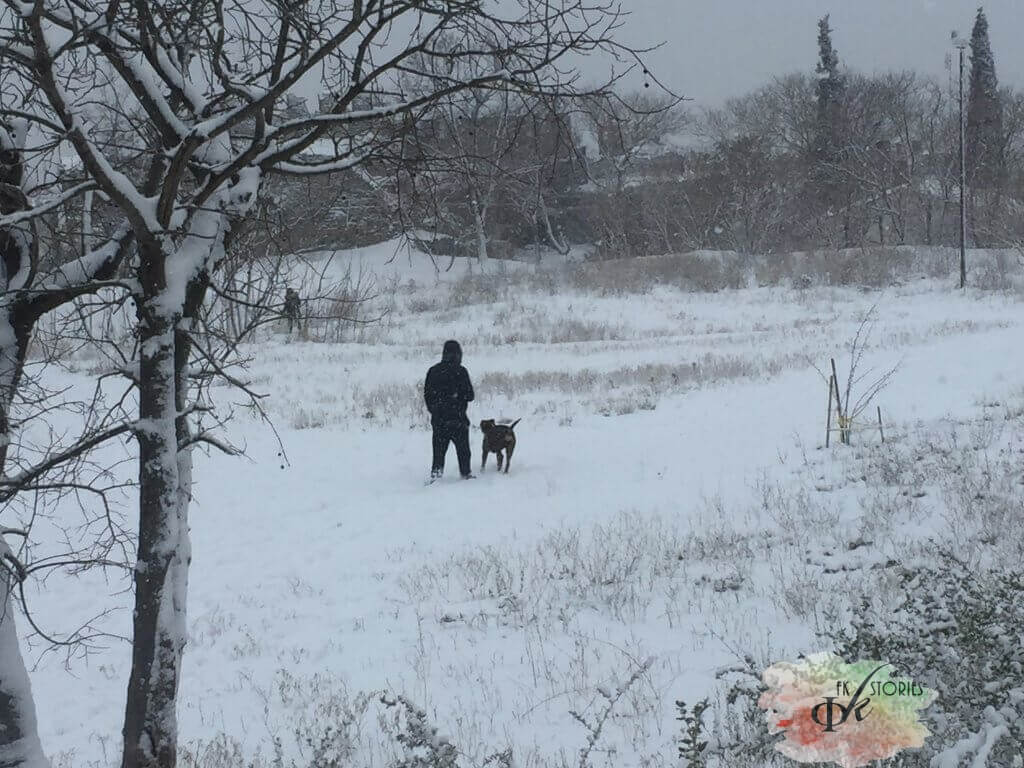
column 691, row 743
column 422, row 745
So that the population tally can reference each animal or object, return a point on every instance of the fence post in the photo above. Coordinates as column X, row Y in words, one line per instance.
column 844, row 435
column 828, row 412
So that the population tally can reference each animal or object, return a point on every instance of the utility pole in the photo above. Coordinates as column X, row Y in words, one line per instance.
column 961, row 45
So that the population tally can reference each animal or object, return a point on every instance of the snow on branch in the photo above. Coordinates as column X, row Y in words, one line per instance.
column 977, row 745
column 78, row 272
column 114, row 183
column 299, row 168
column 50, row 205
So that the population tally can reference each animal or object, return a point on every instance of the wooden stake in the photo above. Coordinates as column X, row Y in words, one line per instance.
column 880, row 430
column 828, row 412
column 844, row 436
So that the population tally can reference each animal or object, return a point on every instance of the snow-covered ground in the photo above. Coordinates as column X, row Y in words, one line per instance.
column 668, row 510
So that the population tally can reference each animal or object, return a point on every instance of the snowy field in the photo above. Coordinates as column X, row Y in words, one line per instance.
column 670, row 510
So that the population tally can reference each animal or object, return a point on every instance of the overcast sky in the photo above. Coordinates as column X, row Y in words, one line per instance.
column 716, row 49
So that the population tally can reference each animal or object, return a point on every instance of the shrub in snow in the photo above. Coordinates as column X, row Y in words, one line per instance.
column 595, row 724
column 691, row 743
column 960, row 633
column 954, row 629
column 738, row 735
column 422, row 745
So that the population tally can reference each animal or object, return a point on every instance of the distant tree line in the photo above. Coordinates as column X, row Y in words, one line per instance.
column 830, row 158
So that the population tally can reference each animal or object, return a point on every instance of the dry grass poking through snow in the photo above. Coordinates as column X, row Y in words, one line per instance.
column 579, row 363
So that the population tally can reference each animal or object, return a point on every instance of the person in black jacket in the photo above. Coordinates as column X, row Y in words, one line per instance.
column 292, row 308
column 447, row 391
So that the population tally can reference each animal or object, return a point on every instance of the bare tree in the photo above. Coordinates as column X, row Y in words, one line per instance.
column 542, row 171
column 29, row 290
column 627, row 129
column 205, row 79
column 466, row 138
column 485, row 160
column 628, row 132
column 751, row 181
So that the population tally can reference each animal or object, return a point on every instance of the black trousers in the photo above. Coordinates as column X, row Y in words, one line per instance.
column 445, row 432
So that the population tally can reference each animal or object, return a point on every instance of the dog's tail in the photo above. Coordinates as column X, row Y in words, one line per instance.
column 513, row 424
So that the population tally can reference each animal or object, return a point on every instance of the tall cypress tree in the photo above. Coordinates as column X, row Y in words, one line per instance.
column 830, row 92
column 827, row 185
column 984, row 110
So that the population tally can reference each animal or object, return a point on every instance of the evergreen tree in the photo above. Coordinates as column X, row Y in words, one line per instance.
column 830, row 92
column 827, row 187
column 984, row 110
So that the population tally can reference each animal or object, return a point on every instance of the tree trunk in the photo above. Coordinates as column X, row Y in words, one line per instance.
column 847, row 240
column 481, row 236
column 559, row 244
column 19, row 738
column 150, row 726
column 165, row 493
column 15, row 330
column 87, row 243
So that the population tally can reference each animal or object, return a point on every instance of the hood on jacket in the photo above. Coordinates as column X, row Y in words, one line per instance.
column 452, row 352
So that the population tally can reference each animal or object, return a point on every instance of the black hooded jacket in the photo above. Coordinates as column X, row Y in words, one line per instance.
column 447, row 389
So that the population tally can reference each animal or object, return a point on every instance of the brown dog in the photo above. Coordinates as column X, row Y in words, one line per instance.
column 498, row 438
